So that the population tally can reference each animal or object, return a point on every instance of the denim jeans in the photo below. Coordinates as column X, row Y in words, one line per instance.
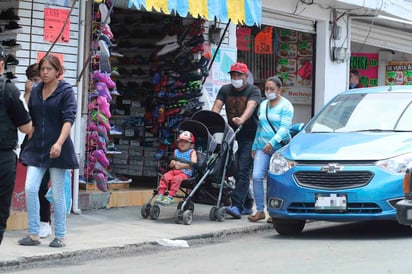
column 33, row 181
column 260, row 168
column 241, row 197
column 8, row 162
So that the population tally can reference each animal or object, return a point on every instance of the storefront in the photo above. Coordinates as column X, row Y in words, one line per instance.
column 307, row 45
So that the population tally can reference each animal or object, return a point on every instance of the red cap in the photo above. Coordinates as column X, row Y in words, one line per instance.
column 186, row 136
column 239, row 67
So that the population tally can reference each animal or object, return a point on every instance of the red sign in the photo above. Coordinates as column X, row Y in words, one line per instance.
column 54, row 20
column 263, row 41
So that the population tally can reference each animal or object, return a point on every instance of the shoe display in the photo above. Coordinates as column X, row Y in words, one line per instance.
column 104, row 48
column 99, row 156
column 115, row 131
column 234, row 212
column 269, row 220
column 168, row 48
column 11, row 43
column 257, row 216
column 167, row 40
column 45, row 230
column 103, row 77
column 101, row 181
column 9, row 14
column 112, row 149
column 104, row 14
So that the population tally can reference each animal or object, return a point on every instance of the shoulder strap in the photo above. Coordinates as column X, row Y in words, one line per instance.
column 267, row 118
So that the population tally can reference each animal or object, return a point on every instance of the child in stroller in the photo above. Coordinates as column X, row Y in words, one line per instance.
column 179, row 170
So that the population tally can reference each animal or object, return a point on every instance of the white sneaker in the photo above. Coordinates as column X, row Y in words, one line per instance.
column 168, row 48
column 45, row 230
column 167, row 40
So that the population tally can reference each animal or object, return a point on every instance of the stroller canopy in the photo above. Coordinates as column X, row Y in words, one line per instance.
column 204, row 141
column 215, row 123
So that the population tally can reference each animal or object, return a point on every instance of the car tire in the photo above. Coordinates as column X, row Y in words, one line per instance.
column 288, row 227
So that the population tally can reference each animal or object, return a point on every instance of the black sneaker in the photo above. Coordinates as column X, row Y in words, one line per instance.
column 10, row 43
column 9, row 15
column 11, row 60
column 12, row 26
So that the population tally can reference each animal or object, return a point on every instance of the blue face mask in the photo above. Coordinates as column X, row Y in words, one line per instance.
column 352, row 85
column 35, row 84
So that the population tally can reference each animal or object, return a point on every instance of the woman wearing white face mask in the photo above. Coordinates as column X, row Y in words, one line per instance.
column 275, row 117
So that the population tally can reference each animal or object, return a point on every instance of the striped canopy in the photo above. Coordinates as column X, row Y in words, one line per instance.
column 244, row 12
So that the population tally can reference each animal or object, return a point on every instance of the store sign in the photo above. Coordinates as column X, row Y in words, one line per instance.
column 367, row 65
column 398, row 73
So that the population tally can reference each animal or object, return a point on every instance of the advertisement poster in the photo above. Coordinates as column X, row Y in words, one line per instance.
column 294, row 65
column 398, row 73
column 54, row 20
column 367, row 65
column 218, row 74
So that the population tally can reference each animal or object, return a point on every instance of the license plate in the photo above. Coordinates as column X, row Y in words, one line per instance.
column 409, row 214
column 330, row 202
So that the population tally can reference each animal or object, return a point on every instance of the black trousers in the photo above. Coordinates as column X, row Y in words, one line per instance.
column 8, row 165
column 44, row 203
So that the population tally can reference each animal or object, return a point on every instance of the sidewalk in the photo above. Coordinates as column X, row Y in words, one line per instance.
column 105, row 230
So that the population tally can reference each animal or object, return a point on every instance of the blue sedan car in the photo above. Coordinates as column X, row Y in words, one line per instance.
column 348, row 162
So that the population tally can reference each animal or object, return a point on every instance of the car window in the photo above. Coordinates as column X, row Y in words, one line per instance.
column 363, row 112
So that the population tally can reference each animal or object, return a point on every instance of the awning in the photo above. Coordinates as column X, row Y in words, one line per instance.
column 244, row 12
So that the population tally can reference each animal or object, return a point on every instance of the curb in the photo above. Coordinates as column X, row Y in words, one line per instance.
column 129, row 249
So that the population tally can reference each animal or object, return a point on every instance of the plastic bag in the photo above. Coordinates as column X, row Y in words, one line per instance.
column 67, row 192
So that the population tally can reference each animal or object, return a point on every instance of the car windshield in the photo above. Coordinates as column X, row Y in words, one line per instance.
column 365, row 112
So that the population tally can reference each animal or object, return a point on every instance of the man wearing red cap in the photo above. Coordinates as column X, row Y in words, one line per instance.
column 241, row 100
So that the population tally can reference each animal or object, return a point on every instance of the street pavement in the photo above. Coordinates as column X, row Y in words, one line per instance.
column 102, row 231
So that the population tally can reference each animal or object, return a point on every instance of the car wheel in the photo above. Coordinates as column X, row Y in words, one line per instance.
column 288, row 227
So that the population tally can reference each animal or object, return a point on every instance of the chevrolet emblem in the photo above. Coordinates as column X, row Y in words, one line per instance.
column 331, row 168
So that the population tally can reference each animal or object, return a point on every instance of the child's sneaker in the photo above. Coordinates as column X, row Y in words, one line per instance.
column 159, row 199
column 167, row 201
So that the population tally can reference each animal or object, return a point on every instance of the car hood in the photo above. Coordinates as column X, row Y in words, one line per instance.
column 348, row 146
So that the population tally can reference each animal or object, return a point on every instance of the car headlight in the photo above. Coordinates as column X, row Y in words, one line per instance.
column 396, row 164
column 279, row 164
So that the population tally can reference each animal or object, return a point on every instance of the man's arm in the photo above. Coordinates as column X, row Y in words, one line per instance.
column 26, row 128
column 217, row 106
column 250, row 108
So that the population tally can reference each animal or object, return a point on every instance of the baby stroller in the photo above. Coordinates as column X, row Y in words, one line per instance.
column 211, row 184
column 214, row 141
column 205, row 146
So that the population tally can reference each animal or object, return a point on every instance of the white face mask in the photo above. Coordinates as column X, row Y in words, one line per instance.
column 271, row 96
column 237, row 83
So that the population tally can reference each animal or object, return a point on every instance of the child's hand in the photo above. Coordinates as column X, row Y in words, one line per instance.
column 172, row 163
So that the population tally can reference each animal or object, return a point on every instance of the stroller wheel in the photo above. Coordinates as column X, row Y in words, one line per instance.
column 145, row 210
column 189, row 206
column 154, row 212
column 178, row 216
column 221, row 214
column 187, row 217
column 212, row 214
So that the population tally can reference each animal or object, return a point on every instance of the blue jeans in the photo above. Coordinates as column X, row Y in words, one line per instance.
column 33, row 181
column 241, row 197
column 260, row 168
